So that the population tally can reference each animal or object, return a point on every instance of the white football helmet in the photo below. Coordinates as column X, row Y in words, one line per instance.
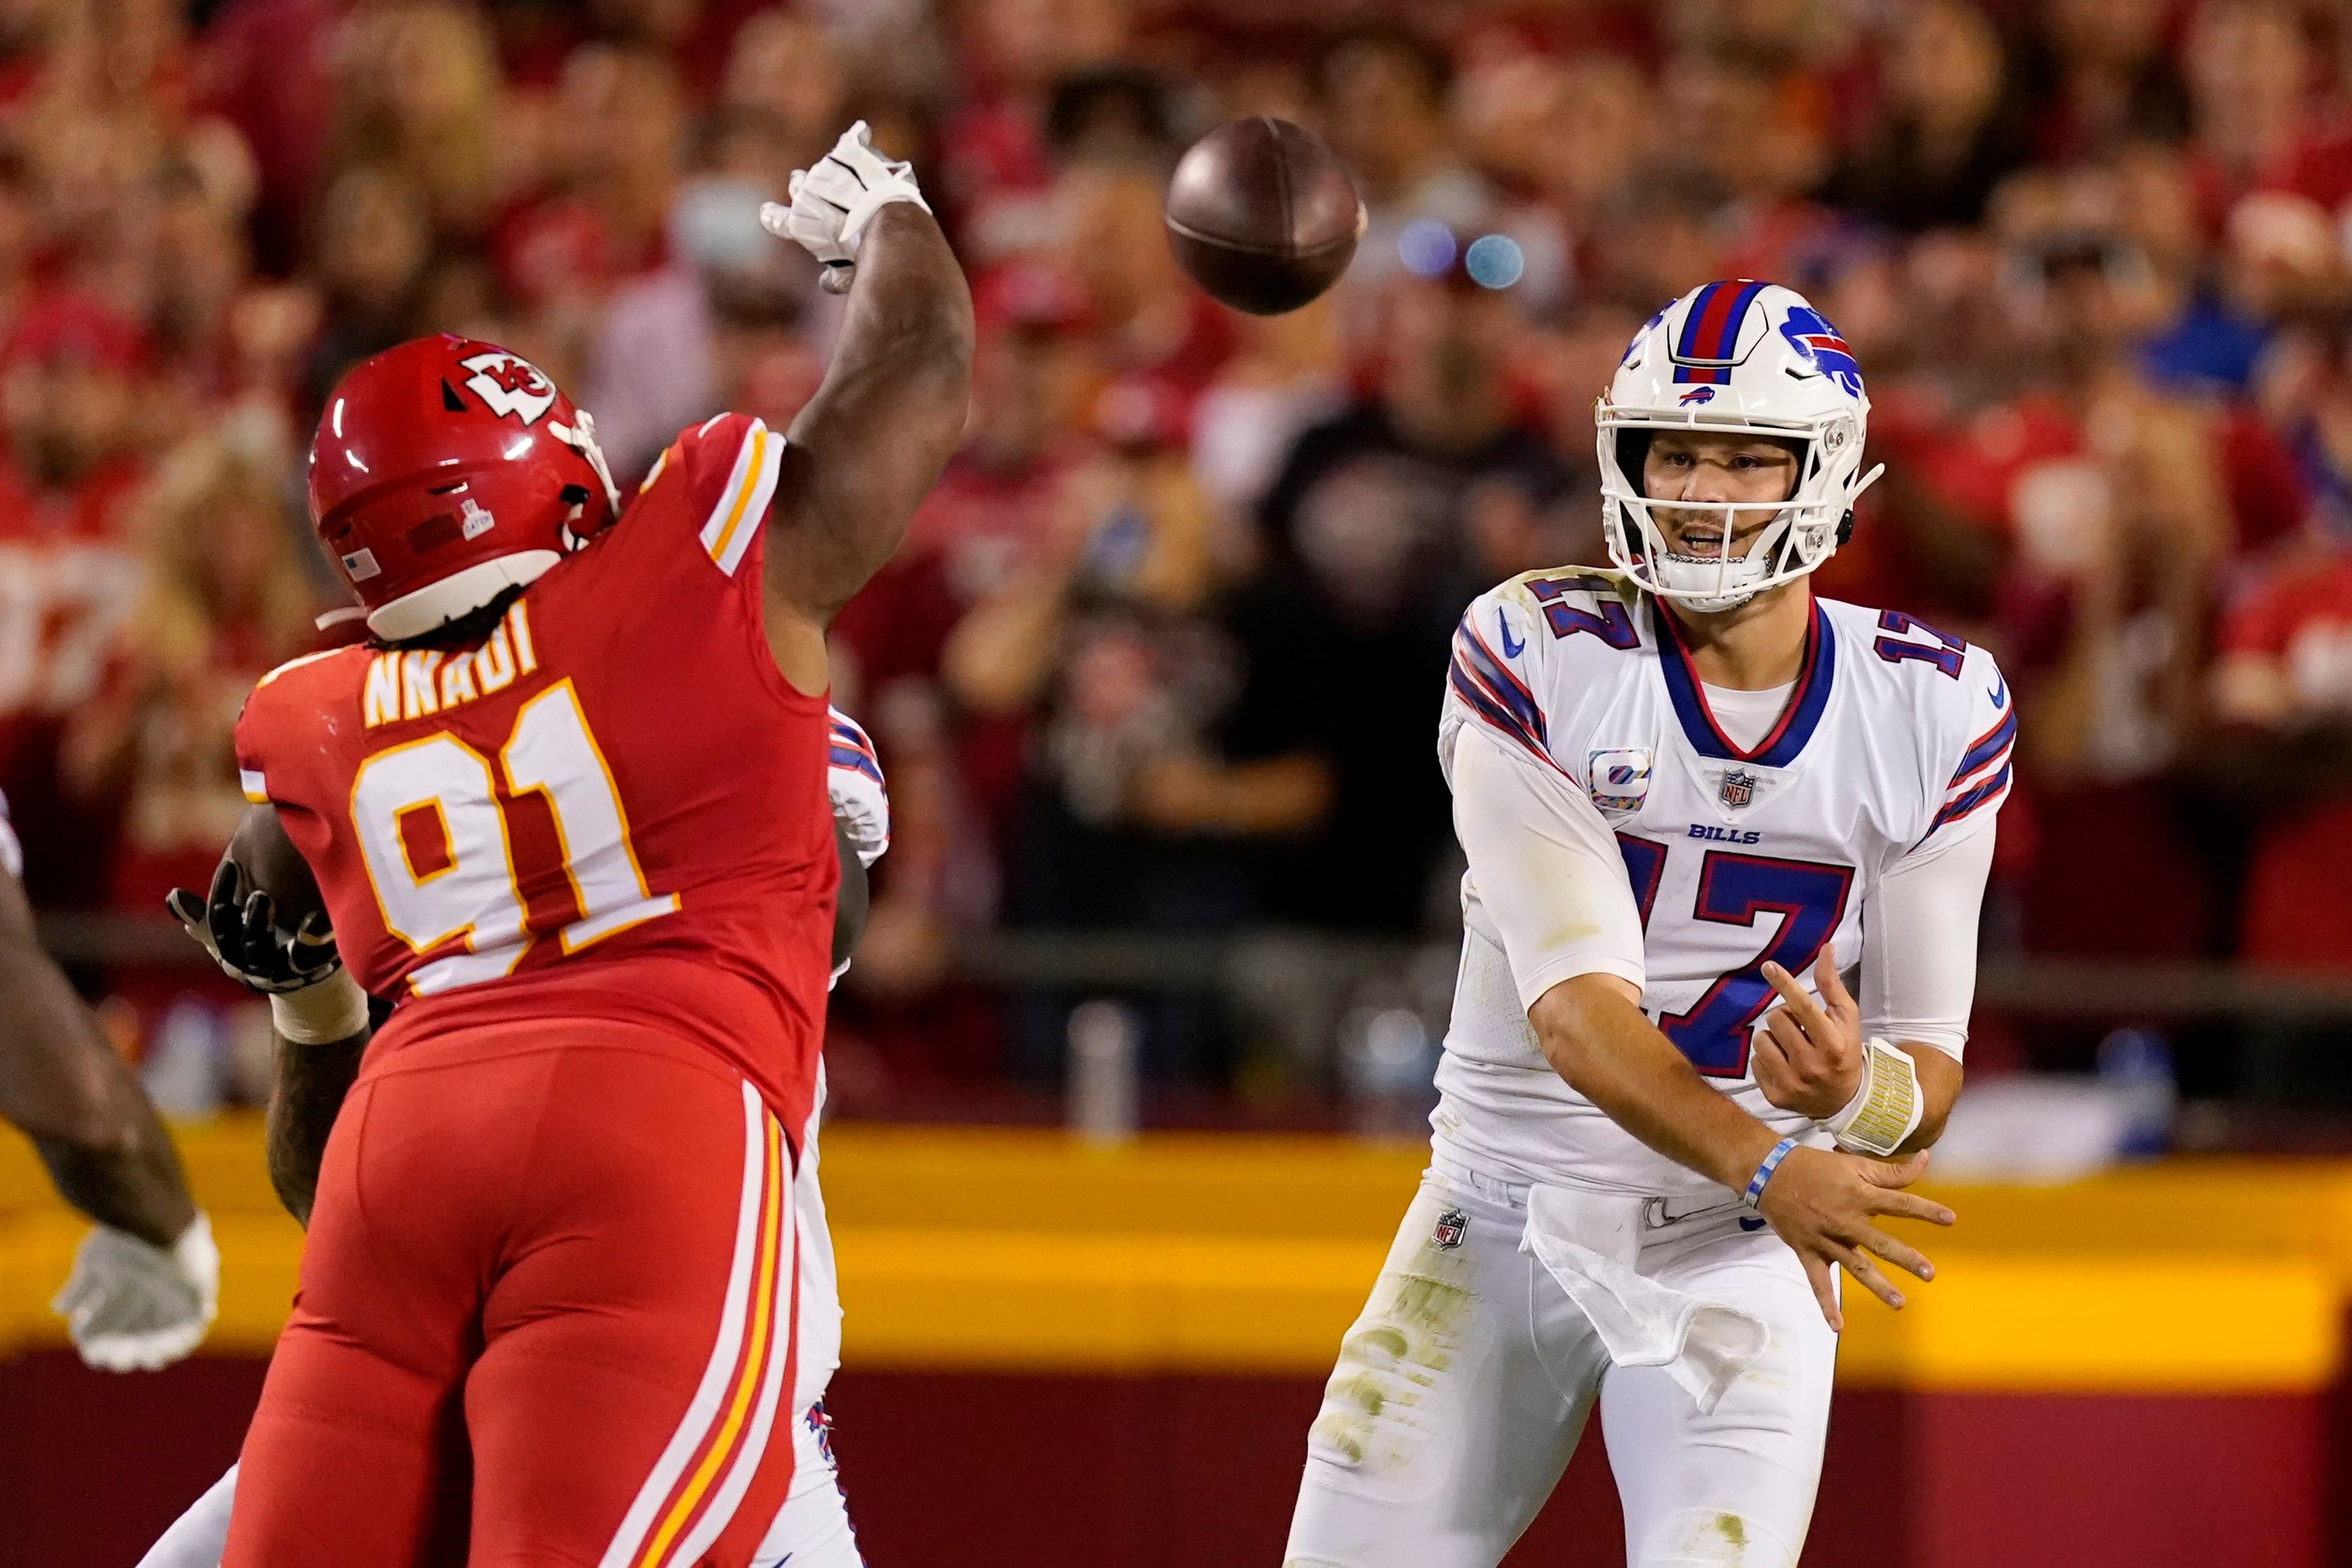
column 1743, row 358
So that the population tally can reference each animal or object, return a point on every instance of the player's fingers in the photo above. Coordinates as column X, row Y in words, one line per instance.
column 1832, row 985
column 1910, row 1205
column 1785, row 1030
column 1859, row 1265
column 1770, row 1066
column 1807, row 1012
column 1824, row 1283
column 221, row 910
column 1909, row 1259
column 189, row 910
column 257, row 920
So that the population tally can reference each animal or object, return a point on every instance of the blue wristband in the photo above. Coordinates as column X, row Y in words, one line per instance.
column 1754, row 1192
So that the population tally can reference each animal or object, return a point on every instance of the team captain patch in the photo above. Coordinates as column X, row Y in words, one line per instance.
column 1621, row 778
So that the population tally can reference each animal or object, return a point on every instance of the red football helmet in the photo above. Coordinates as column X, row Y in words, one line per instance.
column 447, row 470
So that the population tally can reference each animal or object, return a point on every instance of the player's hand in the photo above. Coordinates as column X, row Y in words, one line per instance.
column 831, row 204
column 131, row 1306
column 1807, row 1056
column 1823, row 1203
column 239, row 928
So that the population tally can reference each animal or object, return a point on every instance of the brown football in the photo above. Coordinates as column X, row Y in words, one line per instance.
column 1261, row 214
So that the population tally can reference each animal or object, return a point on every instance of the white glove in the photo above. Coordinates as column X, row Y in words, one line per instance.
column 131, row 1306
column 832, row 204
column 861, row 801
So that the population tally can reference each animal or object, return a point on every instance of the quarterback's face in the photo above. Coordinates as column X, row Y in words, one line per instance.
column 1712, row 466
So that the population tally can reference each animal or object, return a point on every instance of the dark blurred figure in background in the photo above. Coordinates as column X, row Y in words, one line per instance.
column 1372, row 534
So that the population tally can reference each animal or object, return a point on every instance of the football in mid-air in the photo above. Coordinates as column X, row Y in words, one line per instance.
column 1262, row 215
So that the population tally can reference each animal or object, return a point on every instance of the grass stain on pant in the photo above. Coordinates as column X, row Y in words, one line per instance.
column 1374, row 1414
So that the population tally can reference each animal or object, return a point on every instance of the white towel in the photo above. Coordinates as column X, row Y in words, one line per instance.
column 1589, row 1242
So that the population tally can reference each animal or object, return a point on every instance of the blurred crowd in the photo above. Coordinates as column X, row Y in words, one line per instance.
column 1162, row 653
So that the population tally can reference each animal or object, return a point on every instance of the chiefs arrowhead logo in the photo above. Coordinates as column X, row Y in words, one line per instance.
column 510, row 386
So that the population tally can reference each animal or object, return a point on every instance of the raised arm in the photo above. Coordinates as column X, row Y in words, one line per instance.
column 891, row 409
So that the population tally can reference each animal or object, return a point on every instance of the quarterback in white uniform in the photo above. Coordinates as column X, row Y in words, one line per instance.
column 1693, row 798
column 811, row 1529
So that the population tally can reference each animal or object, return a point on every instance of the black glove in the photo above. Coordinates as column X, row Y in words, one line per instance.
column 240, row 930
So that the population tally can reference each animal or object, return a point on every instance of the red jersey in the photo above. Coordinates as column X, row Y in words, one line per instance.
column 612, row 806
column 2294, row 914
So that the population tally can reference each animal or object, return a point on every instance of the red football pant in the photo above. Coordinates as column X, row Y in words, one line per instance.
column 552, row 1266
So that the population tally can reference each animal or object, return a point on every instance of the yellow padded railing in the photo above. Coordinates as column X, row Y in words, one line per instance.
column 1246, row 1253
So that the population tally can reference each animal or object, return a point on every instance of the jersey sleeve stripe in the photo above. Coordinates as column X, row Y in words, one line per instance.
column 1481, row 702
column 256, row 788
column 856, row 761
column 1986, row 794
column 736, row 519
column 1986, row 749
column 1498, row 679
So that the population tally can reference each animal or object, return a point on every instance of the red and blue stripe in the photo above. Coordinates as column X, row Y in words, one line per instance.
column 1709, row 343
column 1986, row 749
column 850, row 749
column 1986, row 794
column 1495, row 692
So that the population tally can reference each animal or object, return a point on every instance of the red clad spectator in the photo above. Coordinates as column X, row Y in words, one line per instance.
column 68, row 569
column 997, row 169
column 225, row 600
column 269, row 66
column 2286, row 671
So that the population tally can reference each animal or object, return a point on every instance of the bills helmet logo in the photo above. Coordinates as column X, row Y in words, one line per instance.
column 1696, row 394
column 1810, row 334
column 1738, row 789
column 512, row 387
column 1451, row 1228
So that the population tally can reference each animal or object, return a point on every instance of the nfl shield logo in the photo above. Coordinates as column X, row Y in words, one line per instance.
column 1451, row 1227
column 1738, row 789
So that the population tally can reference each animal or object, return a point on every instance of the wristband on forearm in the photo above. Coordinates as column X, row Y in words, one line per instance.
column 1754, row 1197
column 1886, row 1109
column 334, row 1009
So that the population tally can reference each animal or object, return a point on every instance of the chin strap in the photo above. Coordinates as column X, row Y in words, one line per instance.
column 580, row 437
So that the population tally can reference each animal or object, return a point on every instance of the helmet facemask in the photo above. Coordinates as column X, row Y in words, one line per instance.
column 1804, row 532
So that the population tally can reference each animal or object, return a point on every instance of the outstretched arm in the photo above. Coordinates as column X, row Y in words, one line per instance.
column 873, row 439
column 64, row 1087
column 1549, row 876
column 145, row 1280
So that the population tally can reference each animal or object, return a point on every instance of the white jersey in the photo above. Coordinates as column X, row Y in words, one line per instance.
column 1894, row 742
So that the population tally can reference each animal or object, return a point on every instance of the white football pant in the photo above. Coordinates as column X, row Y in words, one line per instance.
column 1460, row 1392
column 811, row 1529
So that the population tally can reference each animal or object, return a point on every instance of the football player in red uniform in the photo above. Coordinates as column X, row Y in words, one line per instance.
column 568, row 806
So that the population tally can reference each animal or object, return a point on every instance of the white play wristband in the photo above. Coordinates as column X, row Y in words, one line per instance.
column 1886, row 1108
column 333, row 1009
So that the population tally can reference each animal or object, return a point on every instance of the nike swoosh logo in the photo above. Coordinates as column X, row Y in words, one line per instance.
column 1512, row 648
column 1999, row 693
column 1747, row 1223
